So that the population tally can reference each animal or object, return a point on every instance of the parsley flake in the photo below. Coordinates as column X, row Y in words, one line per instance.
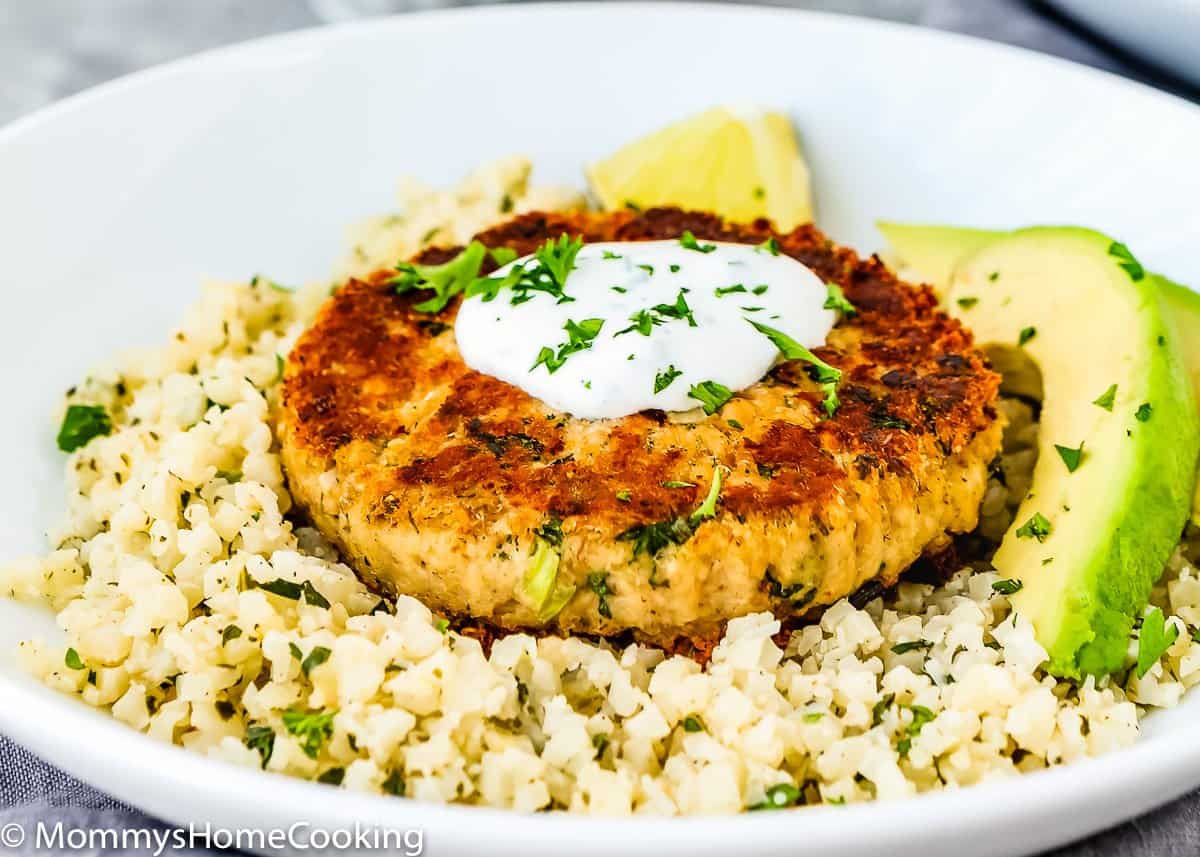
column 579, row 338
column 710, row 395
column 665, row 378
column 315, row 658
column 781, row 796
column 1038, row 527
column 1106, row 399
column 688, row 242
column 313, row 728
column 80, row 424
column 598, row 583
column 1070, row 457
column 1007, row 587
column 72, row 660
column 836, row 300
column 911, row 646
column 771, row 245
column 1126, row 261
column 1154, row 639
column 445, row 280
column 1026, row 334
column 262, row 739
column 736, row 288
column 967, row 303
column 1142, row 414
column 827, row 376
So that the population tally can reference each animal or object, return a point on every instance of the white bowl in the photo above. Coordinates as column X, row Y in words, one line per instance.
column 115, row 204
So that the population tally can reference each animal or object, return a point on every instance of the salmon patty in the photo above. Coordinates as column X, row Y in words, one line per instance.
column 443, row 483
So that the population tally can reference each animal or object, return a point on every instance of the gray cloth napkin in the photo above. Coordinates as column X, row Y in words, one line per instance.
column 52, row 48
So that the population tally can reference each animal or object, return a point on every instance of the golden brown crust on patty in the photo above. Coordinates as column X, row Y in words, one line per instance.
column 430, row 467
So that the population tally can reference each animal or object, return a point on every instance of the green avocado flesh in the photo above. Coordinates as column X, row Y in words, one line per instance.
column 1097, row 526
column 1183, row 305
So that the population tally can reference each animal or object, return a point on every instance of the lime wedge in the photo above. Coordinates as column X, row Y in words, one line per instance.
column 741, row 164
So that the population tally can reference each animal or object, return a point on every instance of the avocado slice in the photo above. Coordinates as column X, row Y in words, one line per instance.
column 1098, row 526
column 929, row 252
column 1183, row 305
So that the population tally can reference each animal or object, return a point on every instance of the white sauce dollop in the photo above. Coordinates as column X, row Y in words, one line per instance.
column 616, row 375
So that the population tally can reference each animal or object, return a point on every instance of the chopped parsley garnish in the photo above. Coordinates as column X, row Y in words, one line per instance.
column 781, row 796
column 813, row 716
column 759, row 193
column 598, row 583
column 579, row 338
column 688, row 241
column 600, row 743
column 692, row 723
column 231, row 632
column 827, row 376
column 678, row 483
column 620, row 289
column 1142, row 414
column 1026, row 334
column 710, row 395
column 609, row 254
column 674, row 269
column 649, row 269
column 771, row 245
column 279, row 364
column 880, row 708
column 1153, row 640
column 502, row 255
column 1007, row 587
column 967, row 303
column 394, row 784
column 1126, row 261
column 72, row 660
column 551, row 530
column 736, row 288
column 760, row 289
column 1070, row 457
column 80, row 424
column 836, row 300
column 442, row 625
column 652, row 538
column 332, row 776
column 993, row 276
column 313, row 728
column 678, row 310
column 315, row 658
column 293, row 590
column 445, row 280
column 751, row 309
column 262, row 739
column 558, row 257
column 624, row 495
column 665, row 378
column 643, row 322
column 1107, row 398
column 735, row 424
column 1037, row 527
column 911, row 646
column 546, row 273
column 708, row 508
column 295, row 652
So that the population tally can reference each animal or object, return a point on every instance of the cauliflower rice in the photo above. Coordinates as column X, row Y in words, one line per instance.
column 198, row 612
